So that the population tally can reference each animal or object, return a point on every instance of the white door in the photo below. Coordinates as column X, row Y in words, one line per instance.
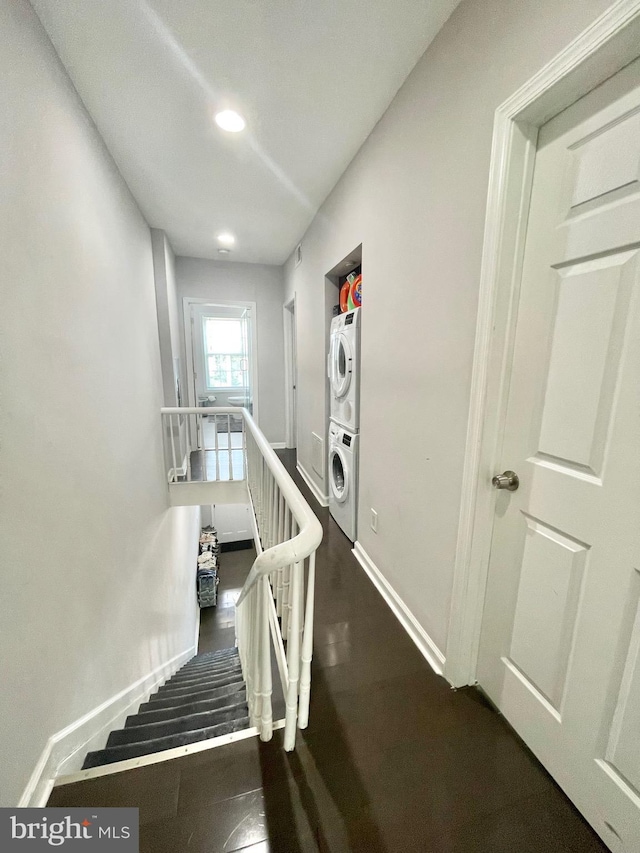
column 232, row 522
column 560, row 644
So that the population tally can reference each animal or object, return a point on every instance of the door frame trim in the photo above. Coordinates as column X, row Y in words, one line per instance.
column 603, row 49
column 290, row 359
column 187, row 303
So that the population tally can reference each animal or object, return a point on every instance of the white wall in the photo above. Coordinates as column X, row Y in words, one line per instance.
column 415, row 198
column 97, row 582
column 262, row 284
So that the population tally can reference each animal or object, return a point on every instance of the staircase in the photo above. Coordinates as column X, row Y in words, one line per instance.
column 206, row 698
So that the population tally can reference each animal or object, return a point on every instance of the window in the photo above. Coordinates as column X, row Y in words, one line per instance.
column 224, row 353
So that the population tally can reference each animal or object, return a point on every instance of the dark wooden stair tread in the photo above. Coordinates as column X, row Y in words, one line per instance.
column 204, row 699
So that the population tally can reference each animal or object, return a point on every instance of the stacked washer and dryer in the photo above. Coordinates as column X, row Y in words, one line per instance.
column 344, row 386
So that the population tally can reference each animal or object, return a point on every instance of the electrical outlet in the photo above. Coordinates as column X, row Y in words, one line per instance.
column 374, row 520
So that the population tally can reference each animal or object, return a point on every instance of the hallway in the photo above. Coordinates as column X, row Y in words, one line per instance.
column 393, row 759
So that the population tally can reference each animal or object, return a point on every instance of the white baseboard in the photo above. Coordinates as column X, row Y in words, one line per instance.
column 65, row 750
column 427, row 648
column 161, row 757
column 278, row 445
column 323, row 500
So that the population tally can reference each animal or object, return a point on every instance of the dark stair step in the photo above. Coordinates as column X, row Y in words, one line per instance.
column 146, row 747
column 182, row 683
column 217, row 655
column 171, row 701
column 202, row 684
column 185, row 723
column 235, row 693
column 192, row 674
column 210, row 664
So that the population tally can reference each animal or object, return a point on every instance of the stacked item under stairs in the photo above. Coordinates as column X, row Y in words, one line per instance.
column 207, row 578
column 204, row 699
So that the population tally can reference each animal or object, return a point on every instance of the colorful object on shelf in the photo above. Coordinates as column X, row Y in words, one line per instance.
column 355, row 293
column 344, row 296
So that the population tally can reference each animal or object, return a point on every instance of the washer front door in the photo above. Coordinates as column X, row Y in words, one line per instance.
column 338, row 475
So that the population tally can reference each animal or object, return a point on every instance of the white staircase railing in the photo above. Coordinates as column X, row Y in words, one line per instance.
column 275, row 604
column 204, row 444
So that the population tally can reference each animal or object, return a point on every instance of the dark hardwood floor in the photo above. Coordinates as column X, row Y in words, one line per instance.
column 393, row 759
column 217, row 624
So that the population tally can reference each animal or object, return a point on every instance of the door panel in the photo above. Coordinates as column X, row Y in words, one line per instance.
column 585, row 351
column 560, row 643
column 546, row 607
column 622, row 751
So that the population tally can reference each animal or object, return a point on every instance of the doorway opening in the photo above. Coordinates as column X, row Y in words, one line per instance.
column 220, row 342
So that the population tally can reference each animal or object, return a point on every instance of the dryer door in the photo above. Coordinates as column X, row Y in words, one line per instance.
column 341, row 365
column 338, row 474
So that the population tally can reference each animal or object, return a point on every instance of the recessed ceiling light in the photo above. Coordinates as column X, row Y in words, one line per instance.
column 226, row 238
column 230, row 121
column 224, row 251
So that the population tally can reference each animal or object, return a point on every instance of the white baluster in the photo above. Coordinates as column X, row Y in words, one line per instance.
column 286, row 582
column 174, row 475
column 307, row 647
column 280, row 572
column 293, row 660
column 266, row 723
column 256, row 654
column 216, row 445
column 245, row 464
column 203, row 455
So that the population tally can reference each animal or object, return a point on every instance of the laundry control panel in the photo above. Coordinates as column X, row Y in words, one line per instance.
column 346, row 439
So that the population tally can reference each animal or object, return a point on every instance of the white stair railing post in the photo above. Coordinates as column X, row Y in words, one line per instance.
column 293, row 660
column 216, row 446
column 256, row 662
column 307, row 647
column 266, row 721
column 286, row 534
column 203, row 454
column 174, row 471
column 280, row 571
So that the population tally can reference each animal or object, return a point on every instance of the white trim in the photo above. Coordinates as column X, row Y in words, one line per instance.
column 187, row 302
column 323, row 500
column 69, row 745
column 161, row 757
column 199, row 493
column 196, row 644
column 278, row 445
column 600, row 51
column 426, row 646
column 289, row 328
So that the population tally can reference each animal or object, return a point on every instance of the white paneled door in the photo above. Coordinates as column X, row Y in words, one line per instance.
column 560, row 644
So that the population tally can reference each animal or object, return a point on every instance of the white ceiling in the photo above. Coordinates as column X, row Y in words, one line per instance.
column 312, row 78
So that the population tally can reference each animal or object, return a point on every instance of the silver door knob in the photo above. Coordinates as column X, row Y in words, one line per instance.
column 508, row 480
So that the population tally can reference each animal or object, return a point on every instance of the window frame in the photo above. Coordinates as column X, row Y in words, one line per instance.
column 205, row 357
